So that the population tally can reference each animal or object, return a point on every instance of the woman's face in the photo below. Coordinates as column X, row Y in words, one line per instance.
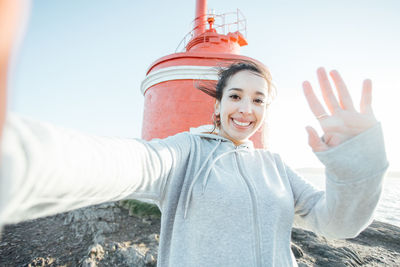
column 242, row 108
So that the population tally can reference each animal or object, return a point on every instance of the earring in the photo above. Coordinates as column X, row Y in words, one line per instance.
column 216, row 119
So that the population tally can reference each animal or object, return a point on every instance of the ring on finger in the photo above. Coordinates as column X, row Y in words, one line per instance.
column 324, row 115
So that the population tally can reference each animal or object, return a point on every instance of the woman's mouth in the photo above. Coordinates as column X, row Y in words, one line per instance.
column 240, row 124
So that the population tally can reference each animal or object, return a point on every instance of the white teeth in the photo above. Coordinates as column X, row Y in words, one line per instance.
column 241, row 123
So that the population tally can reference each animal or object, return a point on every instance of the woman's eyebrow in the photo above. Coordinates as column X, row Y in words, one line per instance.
column 241, row 90
column 236, row 89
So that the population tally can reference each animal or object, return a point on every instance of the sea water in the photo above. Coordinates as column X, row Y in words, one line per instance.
column 388, row 209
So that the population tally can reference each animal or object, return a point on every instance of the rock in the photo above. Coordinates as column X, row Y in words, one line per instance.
column 96, row 219
column 89, row 263
column 378, row 245
column 298, row 253
column 146, row 220
column 39, row 261
column 150, row 259
column 121, row 254
column 154, row 237
column 96, row 252
column 105, row 235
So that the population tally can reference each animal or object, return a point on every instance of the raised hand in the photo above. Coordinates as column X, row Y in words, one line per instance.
column 343, row 121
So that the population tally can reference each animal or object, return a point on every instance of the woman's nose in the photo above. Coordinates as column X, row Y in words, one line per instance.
column 245, row 106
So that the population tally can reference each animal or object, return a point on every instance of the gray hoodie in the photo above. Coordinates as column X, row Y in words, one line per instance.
column 221, row 204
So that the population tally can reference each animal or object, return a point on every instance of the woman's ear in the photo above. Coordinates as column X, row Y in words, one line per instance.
column 216, row 107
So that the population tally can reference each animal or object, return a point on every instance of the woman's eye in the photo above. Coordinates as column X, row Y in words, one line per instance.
column 259, row 101
column 235, row 97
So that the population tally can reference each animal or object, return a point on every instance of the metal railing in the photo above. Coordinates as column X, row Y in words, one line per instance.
column 223, row 24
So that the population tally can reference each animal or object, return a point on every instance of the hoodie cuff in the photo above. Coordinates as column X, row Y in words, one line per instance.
column 360, row 157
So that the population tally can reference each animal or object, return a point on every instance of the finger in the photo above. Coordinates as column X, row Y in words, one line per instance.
column 315, row 141
column 316, row 107
column 366, row 97
column 326, row 89
column 344, row 97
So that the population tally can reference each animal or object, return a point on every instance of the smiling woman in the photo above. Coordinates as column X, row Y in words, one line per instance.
column 242, row 108
column 222, row 201
column 242, row 96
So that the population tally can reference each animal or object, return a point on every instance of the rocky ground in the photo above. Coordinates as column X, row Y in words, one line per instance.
column 107, row 235
column 378, row 245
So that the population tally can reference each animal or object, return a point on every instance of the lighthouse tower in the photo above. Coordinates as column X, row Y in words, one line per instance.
column 172, row 103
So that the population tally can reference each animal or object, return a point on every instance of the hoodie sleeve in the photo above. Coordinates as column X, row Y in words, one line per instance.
column 46, row 169
column 354, row 175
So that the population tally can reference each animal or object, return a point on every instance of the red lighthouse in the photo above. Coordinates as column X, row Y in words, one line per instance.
column 172, row 103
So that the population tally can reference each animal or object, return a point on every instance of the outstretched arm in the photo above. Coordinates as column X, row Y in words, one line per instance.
column 48, row 169
column 353, row 152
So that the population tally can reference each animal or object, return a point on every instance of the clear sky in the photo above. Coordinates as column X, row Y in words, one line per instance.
column 82, row 62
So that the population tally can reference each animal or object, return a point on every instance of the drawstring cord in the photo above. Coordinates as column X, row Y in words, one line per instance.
column 207, row 174
column 196, row 176
column 211, row 165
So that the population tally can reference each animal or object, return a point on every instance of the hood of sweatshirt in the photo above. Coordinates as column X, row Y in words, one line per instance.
column 248, row 145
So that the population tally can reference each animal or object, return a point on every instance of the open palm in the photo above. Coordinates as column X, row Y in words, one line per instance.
column 343, row 121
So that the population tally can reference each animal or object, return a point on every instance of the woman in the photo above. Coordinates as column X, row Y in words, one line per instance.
column 223, row 202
